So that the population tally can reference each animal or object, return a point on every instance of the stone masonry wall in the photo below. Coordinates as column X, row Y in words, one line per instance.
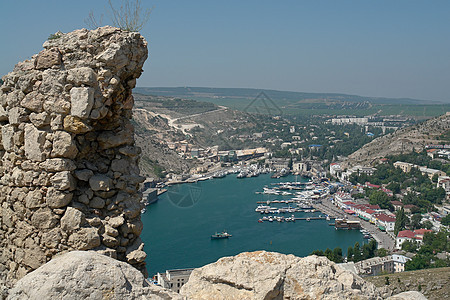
column 69, row 166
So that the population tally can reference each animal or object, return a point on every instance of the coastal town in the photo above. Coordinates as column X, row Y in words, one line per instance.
column 335, row 196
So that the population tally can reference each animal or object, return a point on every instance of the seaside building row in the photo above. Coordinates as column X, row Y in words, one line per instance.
column 384, row 219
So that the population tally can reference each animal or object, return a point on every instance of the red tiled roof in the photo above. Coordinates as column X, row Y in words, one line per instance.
column 416, row 234
column 374, row 206
column 396, row 203
column 359, row 206
column 409, row 206
column 421, row 231
column 349, row 203
column 406, row 234
column 372, row 185
column 385, row 218
column 369, row 211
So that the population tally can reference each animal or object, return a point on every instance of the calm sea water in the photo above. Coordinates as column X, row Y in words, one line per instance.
column 178, row 227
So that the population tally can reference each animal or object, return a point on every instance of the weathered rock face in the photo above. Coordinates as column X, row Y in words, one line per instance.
column 69, row 165
column 87, row 275
column 269, row 275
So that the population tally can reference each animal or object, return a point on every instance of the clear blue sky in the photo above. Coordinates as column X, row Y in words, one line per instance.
column 392, row 48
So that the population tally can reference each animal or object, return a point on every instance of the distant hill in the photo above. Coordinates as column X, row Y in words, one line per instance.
column 203, row 92
column 302, row 104
column 160, row 119
column 432, row 131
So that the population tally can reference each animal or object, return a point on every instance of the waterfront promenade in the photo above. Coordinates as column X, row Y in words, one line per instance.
column 383, row 239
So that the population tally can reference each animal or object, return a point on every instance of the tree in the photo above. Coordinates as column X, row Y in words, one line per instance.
column 400, row 221
column 328, row 253
column 356, row 252
column 415, row 221
column 350, row 253
column 337, row 255
column 427, row 224
column 380, row 198
column 409, row 246
column 394, row 187
column 435, row 178
column 382, row 252
column 317, row 252
column 418, row 262
column 446, row 220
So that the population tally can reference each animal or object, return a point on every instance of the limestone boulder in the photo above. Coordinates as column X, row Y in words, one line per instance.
column 48, row 58
column 64, row 145
column 17, row 115
column 97, row 202
column 116, row 221
column 52, row 238
column 57, row 165
column 57, row 199
column 8, row 137
column 269, row 275
column 85, row 239
column 40, row 120
column 76, row 125
column 82, row 75
column 110, row 139
column 44, row 218
column 73, row 219
column 101, row 183
column 63, row 181
column 83, row 174
column 34, row 199
column 3, row 114
column 33, row 101
column 34, row 143
column 87, row 275
column 81, row 99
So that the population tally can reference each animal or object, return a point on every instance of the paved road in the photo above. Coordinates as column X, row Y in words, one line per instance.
column 383, row 239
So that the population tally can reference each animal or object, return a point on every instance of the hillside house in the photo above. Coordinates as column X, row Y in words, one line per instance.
column 174, row 279
column 375, row 266
column 399, row 262
column 410, row 235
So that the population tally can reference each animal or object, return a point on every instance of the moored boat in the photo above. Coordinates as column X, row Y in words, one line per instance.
column 220, row 235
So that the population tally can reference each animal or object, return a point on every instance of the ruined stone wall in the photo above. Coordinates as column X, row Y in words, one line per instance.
column 69, row 166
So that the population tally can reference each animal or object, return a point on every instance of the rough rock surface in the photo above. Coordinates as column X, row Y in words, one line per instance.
column 270, row 275
column 65, row 135
column 87, row 275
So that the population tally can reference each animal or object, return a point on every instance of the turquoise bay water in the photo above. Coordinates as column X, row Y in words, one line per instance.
column 178, row 227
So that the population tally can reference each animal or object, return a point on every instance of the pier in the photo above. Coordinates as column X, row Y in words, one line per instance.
column 276, row 201
column 311, row 218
